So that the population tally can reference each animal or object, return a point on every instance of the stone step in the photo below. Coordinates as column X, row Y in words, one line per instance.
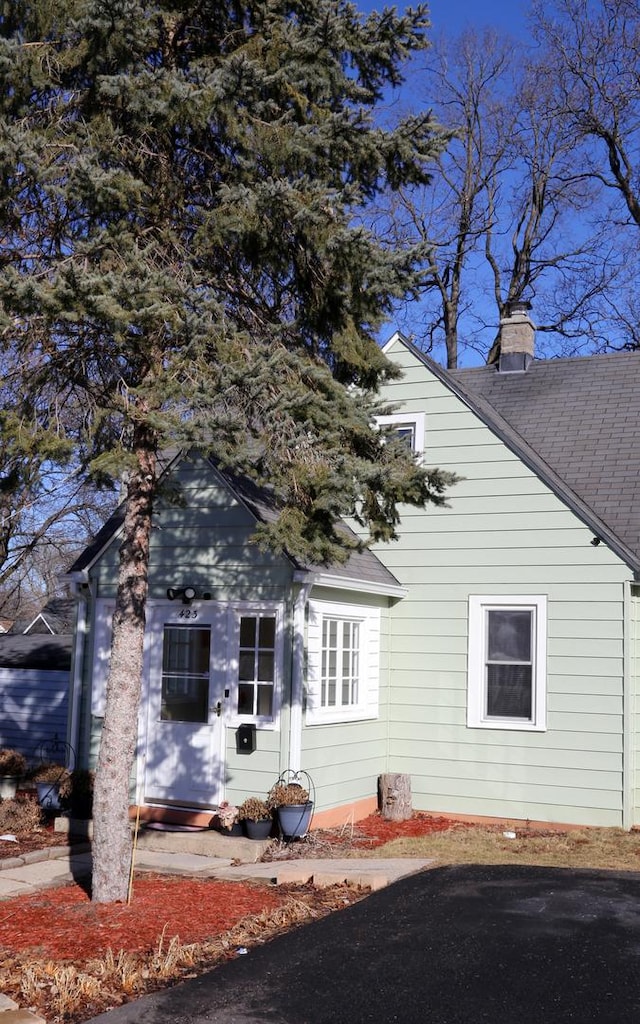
column 206, row 842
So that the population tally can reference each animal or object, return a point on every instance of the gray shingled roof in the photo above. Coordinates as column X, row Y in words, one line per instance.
column 38, row 651
column 362, row 566
column 576, row 422
column 58, row 615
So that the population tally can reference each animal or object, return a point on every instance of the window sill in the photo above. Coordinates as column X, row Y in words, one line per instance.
column 264, row 724
column 512, row 725
column 340, row 717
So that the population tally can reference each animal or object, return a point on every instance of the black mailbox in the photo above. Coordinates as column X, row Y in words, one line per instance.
column 246, row 738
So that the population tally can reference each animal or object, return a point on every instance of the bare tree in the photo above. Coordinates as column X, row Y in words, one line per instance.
column 452, row 219
column 592, row 58
column 48, row 507
column 510, row 215
column 540, row 242
column 593, row 53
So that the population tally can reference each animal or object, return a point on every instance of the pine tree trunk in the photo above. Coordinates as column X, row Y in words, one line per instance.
column 395, row 797
column 112, row 833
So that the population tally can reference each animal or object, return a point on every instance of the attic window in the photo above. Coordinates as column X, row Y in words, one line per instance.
column 408, row 426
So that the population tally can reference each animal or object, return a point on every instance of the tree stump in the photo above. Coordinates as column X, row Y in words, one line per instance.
column 395, row 797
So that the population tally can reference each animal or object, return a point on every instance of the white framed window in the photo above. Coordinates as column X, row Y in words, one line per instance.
column 343, row 662
column 255, row 665
column 408, row 426
column 507, row 662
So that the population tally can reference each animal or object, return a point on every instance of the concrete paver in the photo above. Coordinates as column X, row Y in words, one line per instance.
column 180, row 863
column 14, row 887
column 44, row 873
column 369, row 873
column 10, row 1013
column 20, row 1017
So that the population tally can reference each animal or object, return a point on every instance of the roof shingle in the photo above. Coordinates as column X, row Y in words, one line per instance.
column 580, row 417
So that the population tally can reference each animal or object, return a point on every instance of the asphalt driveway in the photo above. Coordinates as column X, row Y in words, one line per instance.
column 460, row 945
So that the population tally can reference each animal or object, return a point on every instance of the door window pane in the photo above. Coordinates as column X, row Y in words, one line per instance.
column 185, row 674
column 256, row 665
column 265, row 700
column 245, row 699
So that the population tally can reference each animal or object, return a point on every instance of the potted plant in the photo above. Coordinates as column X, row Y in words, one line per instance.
column 12, row 766
column 76, row 792
column 48, row 778
column 227, row 817
column 257, row 817
column 293, row 808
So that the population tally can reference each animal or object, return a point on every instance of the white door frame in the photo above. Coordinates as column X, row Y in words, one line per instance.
column 159, row 614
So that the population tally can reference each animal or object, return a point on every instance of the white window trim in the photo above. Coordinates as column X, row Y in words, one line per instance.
column 478, row 605
column 236, row 611
column 369, row 663
column 415, row 419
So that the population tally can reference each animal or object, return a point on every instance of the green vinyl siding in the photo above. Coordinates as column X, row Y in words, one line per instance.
column 345, row 759
column 252, row 774
column 204, row 540
column 504, row 533
column 634, row 703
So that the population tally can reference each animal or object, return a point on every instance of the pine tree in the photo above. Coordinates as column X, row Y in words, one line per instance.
column 204, row 275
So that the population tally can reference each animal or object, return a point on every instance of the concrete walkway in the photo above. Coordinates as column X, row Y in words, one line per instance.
column 62, row 865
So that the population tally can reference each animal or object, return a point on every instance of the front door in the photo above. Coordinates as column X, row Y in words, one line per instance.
column 186, row 658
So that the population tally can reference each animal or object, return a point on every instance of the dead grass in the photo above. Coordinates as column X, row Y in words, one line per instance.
column 71, row 992
column 21, row 816
column 600, row 848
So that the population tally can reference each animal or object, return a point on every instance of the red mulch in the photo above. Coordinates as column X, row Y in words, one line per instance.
column 63, row 923
column 378, row 831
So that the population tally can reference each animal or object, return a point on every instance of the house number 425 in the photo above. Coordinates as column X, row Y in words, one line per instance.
column 187, row 613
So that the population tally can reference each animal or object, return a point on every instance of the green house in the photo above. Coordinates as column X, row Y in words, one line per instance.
column 490, row 653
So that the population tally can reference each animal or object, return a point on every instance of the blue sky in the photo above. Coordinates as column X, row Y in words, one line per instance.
column 452, row 16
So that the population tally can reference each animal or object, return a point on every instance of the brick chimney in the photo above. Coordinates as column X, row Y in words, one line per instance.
column 517, row 338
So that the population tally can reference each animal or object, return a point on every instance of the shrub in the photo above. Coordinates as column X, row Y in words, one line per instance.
column 12, row 762
column 254, row 809
column 76, row 792
column 19, row 816
column 227, row 815
column 286, row 794
column 55, row 774
column 78, row 783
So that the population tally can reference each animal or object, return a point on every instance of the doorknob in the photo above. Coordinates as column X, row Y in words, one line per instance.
column 219, row 708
